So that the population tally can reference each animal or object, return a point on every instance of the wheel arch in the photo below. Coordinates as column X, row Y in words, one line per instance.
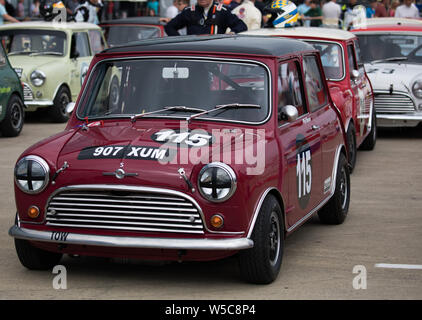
column 279, row 197
column 63, row 84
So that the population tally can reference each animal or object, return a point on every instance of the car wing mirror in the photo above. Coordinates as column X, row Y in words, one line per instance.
column 288, row 113
column 69, row 108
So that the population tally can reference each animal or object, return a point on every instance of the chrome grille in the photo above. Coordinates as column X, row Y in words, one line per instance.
column 394, row 103
column 27, row 92
column 124, row 210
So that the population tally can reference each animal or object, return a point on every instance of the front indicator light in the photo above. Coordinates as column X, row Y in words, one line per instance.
column 217, row 221
column 33, row 212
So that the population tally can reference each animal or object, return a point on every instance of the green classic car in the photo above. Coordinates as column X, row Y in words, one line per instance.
column 51, row 60
column 11, row 104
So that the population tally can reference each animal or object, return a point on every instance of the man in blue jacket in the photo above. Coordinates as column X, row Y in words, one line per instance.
column 206, row 17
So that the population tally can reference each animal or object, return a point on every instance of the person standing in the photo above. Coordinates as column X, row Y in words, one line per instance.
column 314, row 14
column 4, row 15
column 206, row 17
column 370, row 11
column 331, row 10
column 381, row 11
column 394, row 5
column 152, row 5
column 249, row 14
column 172, row 11
column 407, row 10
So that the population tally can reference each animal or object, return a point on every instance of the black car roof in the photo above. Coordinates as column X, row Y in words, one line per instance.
column 257, row 45
column 135, row 20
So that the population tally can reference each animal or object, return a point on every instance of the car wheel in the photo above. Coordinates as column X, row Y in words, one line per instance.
column 114, row 94
column 12, row 123
column 261, row 264
column 351, row 141
column 57, row 112
column 370, row 141
column 34, row 258
column 335, row 210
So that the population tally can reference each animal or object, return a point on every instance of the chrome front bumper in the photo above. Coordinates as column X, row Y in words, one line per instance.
column 130, row 242
column 399, row 120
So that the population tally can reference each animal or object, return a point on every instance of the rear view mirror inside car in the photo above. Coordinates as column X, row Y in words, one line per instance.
column 175, row 73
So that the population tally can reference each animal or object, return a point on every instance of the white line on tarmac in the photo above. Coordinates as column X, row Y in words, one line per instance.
column 398, row 266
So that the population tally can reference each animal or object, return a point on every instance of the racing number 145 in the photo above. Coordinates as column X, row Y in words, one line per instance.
column 304, row 173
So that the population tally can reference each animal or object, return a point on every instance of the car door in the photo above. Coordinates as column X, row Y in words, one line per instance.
column 301, row 144
column 80, row 54
column 357, row 86
column 365, row 85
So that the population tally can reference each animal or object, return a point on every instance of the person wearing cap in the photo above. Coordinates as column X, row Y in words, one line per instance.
column 206, row 17
column 249, row 14
column 407, row 10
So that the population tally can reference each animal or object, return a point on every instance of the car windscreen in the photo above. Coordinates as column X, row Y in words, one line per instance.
column 331, row 58
column 118, row 35
column 34, row 42
column 390, row 47
column 123, row 88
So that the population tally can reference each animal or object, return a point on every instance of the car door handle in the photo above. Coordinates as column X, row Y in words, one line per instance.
column 315, row 127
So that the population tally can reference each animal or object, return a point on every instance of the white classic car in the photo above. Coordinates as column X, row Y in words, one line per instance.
column 392, row 54
column 51, row 59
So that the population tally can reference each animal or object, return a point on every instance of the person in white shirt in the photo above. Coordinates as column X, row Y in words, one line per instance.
column 331, row 10
column 172, row 11
column 407, row 10
column 249, row 14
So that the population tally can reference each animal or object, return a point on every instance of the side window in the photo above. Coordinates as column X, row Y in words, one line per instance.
column 315, row 90
column 2, row 56
column 351, row 58
column 358, row 54
column 290, row 87
column 96, row 41
column 80, row 46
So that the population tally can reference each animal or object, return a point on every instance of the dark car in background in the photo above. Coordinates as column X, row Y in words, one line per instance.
column 122, row 31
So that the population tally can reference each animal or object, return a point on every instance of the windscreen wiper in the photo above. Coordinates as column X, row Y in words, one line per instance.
column 389, row 60
column 20, row 52
column 174, row 108
column 46, row 52
column 226, row 107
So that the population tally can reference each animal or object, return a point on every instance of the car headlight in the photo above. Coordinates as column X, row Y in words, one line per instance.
column 217, row 182
column 32, row 174
column 417, row 89
column 38, row 78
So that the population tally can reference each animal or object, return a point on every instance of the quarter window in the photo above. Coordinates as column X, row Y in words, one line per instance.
column 351, row 58
column 290, row 87
column 2, row 56
column 315, row 90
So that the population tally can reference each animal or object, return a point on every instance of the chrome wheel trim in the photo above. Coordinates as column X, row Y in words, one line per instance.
column 16, row 115
column 344, row 189
column 274, row 239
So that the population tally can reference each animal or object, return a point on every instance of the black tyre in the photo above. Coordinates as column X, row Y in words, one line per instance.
column 335, row 210
column 351, row 141
column 261, row 264
column 34, row 258
column 370, row 141
column 57, row 112
column 12, row 123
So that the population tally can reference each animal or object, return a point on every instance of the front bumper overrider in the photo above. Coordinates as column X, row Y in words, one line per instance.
column 132, row 242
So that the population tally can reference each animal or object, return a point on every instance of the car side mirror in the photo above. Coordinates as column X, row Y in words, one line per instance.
column 355, row 74
column 289, row 113
column 69, row 108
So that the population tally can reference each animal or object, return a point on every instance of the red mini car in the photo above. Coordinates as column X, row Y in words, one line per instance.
column 349, row 85
column 193, row 162
column 123, row 31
